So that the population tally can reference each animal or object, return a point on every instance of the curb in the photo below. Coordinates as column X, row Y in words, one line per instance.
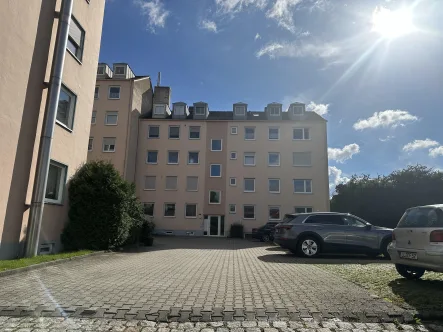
column 50, row 263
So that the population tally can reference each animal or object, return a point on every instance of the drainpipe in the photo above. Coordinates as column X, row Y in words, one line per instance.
column 44, row 152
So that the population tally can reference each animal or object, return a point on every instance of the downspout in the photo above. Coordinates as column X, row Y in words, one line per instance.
column 44, row 152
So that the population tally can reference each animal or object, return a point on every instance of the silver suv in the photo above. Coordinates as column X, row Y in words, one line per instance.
column 417, row 244
column 309, row 234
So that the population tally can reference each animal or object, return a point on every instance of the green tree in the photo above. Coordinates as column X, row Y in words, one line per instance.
column 382, row 200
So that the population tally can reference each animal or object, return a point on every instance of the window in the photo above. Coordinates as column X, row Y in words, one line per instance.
column 111, row 118
column 234, row 130
column 169, row 210
column 274, row 110
column 66, row 107
column 233, row 155
column 249, row 185
column 193, row 157
column 216, row 144
column 274, row 133
column 249, row 133
column 200, row 110
column 152, row 157
column 153, row 132
column 303, row 186
column 194, row 132
column 215, row 171
column 191, row 210
column 94, row 117
column 172, row 157
column 91, row 143
column 214, row 197
column 300, row 134
column 297, row 110
column 191, row 183
column 148, row 209
column 301, row 159
column 302, row 209
column 171, row 183
column 233, row 181
column 76, row 39
column 421, row 217
column 96, row 92
column 325, row 219
column 179, row 109
column 249, row 159
column 150, row 182
column 100, row 70
column 108, row 144
column 174, row 132
column 273, row 159
column 232, row 208
column 159, row 109
column 352, row 221
column 274, row 213
column 274, row 185
column 56, row 182
column 248, row 211
column 119, row 70
column 114, row 92
column 239, row 110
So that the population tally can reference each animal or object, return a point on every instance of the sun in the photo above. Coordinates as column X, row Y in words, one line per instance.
column 392, row 24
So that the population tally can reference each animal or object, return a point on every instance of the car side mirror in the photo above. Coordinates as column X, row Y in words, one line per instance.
column 368, row 227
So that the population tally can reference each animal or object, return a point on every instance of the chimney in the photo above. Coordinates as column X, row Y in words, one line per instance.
column 159, row 78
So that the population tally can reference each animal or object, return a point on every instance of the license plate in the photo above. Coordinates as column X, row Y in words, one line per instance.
column 408, row 255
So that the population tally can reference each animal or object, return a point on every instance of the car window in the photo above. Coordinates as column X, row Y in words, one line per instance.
column 288, row 218
column 351, row 221
column 332, row 219
column 421, row 217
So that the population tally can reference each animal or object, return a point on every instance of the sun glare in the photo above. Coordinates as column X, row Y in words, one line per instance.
column 392, row 24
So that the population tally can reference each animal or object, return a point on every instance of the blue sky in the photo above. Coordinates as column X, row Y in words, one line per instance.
column 373, row 69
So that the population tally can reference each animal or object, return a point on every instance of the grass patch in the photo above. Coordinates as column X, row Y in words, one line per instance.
column 23, row 262
column 384, row 281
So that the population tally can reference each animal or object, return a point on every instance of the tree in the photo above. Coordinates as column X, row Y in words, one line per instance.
column 383, row 200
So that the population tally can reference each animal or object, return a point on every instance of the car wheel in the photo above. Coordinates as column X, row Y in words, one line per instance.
column 410, row 272
column 384, row 248
column 309, row 247
column 265, row 238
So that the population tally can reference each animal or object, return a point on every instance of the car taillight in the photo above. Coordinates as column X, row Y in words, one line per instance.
column 436, row 236
column 285, row 227
column 393, row 236
column 254, row 230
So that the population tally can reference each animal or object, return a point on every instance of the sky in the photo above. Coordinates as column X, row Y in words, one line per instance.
column 373, row 69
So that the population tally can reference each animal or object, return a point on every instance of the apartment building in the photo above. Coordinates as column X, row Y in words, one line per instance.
column 27, row 57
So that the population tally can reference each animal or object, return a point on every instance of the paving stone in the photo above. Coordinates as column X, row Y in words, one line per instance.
column 249, row 324
column 279, row 324
column 233, row 325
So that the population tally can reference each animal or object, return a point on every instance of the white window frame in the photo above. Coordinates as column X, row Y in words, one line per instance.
column 294, row 107
column 255, row 214
column 250, row 139
column 149, row 131
column 147, row 157
column 71, row 110
column 118, row 67
column 235, row 155
column 162, row 107
column 179, row 109
column 94, row 117
column 109, row 150
column 198, row 157
column 169, row 132
column 234, row 130
column 166, row 182
column 210, row 171
column 153, row 208
column 272, row 110
column 249, row 154
column 304, row 134
column 204, row 110
column 304, row 185
column 61, row 184
column 164, row 209
column 244, row 185
column 221, row 144
column 269, row 156
column 269, row 186
column 119, row 92
column 196, row 211
column 97, row 92
column 81, row 47
column 293, row 154
column 178, row 157
column 190, row 130
column 303, row 207
column 278, row 134
column 219, row 191
column 274, row 207
column 233, row 183
column 191, row 176
column 155, row 183
column 240, row 108
column 106, row 118
column 91, row 143
column 102, row 71
column 232, row 211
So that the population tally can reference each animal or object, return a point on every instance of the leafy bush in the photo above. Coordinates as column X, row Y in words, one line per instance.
column 236, row 230
column 104, row 211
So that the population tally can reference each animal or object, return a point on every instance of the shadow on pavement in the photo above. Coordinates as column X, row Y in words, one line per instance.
column 288, row 258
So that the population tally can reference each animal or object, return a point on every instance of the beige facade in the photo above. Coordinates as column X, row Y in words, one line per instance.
column 26, row 53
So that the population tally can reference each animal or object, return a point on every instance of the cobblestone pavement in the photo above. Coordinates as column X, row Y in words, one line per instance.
column 41, row 324
column 192, row 279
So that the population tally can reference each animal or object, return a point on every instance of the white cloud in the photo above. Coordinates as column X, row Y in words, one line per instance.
column 341, row 155
column 257, row 36
column 387, row 138
column 281, row 11
column 335, row 177
column 155, row 11
column 208, row 25
column 236, row 6
column 320, row 109
column 299, row 49
column 388, row 118
column 435, row 152
column 420, row 144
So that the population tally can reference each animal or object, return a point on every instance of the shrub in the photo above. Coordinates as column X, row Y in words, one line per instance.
column 103, row 210
column 237, row 230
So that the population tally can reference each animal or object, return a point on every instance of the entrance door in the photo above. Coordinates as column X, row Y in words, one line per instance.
column 215, row 226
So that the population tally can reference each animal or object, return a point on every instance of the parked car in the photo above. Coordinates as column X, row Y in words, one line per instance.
column 265, row 233
column 309, row 234
column 417, row 241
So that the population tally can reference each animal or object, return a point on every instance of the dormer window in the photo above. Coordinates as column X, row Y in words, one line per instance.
column 274, row 110
column 297, row 109
column 100, row 70
column 239, row 110
column 179, row 110
column 200, row 110
column 119, row 70
column 159, row 109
